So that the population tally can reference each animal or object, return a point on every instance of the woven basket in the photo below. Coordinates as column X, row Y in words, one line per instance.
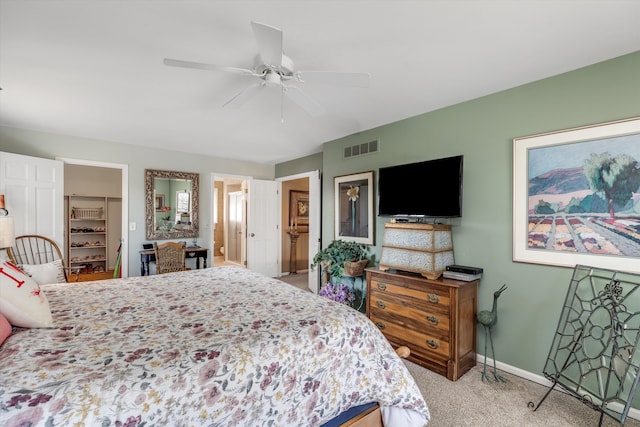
column 355, row 268
column 87, row 213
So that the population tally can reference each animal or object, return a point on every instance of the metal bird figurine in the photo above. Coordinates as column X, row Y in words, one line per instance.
column 488, row 319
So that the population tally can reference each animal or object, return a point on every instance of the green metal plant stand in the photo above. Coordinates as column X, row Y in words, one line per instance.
column 594, row 354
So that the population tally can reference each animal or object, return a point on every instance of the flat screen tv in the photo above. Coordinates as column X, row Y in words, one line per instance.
column 432, row 188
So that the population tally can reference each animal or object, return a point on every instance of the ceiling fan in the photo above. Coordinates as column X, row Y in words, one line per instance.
column 274, row 69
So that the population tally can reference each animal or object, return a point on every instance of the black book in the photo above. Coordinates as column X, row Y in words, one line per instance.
column 464, row 269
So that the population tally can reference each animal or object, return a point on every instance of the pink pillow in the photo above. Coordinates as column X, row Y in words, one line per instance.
column 5, row 329
column 21, row 301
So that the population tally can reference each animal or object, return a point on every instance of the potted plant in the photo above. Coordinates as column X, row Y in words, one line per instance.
column 338, row 293
column 342, row 258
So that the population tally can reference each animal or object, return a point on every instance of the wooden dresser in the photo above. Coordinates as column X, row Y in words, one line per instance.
column 434, row 318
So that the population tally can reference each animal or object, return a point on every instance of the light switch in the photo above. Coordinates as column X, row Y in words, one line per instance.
column 132, row 226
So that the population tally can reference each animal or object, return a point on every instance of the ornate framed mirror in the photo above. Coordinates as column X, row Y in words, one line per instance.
column 171, row 204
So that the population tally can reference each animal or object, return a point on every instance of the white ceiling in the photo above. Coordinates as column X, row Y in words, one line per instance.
column 94, row 69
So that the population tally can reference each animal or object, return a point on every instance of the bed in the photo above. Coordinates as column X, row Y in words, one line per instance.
column 217, row 347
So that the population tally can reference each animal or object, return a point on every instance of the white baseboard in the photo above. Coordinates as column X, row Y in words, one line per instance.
column 539, row 379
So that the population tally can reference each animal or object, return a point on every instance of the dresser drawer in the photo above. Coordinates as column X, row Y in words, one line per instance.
column 435, row 318
column 415, row 340
column 431, row 295
column 414, row 316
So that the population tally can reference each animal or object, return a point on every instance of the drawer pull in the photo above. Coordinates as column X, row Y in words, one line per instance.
column 381, row 304
column 381, row 325
column 433, row 319
column 382, row 286
column 433, row 344
column 434, row 298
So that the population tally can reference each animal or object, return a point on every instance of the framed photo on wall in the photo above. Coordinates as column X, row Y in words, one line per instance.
column 299, row 210
column 354, row 207
column 159, row 201
column 576, row 197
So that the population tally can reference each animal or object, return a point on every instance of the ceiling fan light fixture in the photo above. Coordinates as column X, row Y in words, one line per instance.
column 272, row 78
column 275, row 69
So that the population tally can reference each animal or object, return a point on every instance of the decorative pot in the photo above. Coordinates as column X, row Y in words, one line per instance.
column 324, row 271
column 355, row 268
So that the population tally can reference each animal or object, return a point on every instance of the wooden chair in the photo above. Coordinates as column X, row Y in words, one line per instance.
column 33, row 249
column 170, row 257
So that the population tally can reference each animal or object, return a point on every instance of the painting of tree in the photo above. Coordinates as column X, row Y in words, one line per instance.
column 584, row 197
column 576, row 196
column 615, row 178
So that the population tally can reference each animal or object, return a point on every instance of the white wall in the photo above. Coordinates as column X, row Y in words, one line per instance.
column 92, row 181
column 47, row 145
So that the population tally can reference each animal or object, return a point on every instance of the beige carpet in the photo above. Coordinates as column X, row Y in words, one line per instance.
column 299, row 280
column 471, row 402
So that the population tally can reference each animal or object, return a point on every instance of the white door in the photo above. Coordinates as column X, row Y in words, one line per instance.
column 314, row 227
column 263, row 221
column 34, row 194
column 234, row 224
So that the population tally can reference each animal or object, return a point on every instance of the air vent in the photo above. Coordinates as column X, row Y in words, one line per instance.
column 361, row 149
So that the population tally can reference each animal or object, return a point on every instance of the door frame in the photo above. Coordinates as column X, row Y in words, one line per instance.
column 215, row 176
column 124, row 170
column 227, row 225
column 315, row 221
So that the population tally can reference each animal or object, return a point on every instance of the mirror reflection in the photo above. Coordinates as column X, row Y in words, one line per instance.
column 171, row 204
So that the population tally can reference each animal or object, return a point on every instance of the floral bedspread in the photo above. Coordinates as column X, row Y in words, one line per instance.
column 216, row 347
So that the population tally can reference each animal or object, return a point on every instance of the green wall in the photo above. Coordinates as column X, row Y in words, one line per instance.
column 50, row 146
column 301, row 165
column 482, row 130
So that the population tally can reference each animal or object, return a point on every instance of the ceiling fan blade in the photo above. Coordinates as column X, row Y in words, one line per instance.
column 245, row 95
column 269, row 41
column 334, row 78
column 208, row 67
column 310, row 105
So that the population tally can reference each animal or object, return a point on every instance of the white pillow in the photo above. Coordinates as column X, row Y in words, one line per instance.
column 45, row 273
column 21, row 300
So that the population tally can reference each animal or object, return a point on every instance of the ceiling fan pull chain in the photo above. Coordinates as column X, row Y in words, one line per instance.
column 282, row 104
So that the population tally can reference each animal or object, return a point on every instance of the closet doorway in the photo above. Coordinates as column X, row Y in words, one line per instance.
column 110, row 181
column 308, row 241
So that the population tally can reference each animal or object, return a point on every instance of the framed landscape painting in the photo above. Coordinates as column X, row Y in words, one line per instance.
column 576, row 197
